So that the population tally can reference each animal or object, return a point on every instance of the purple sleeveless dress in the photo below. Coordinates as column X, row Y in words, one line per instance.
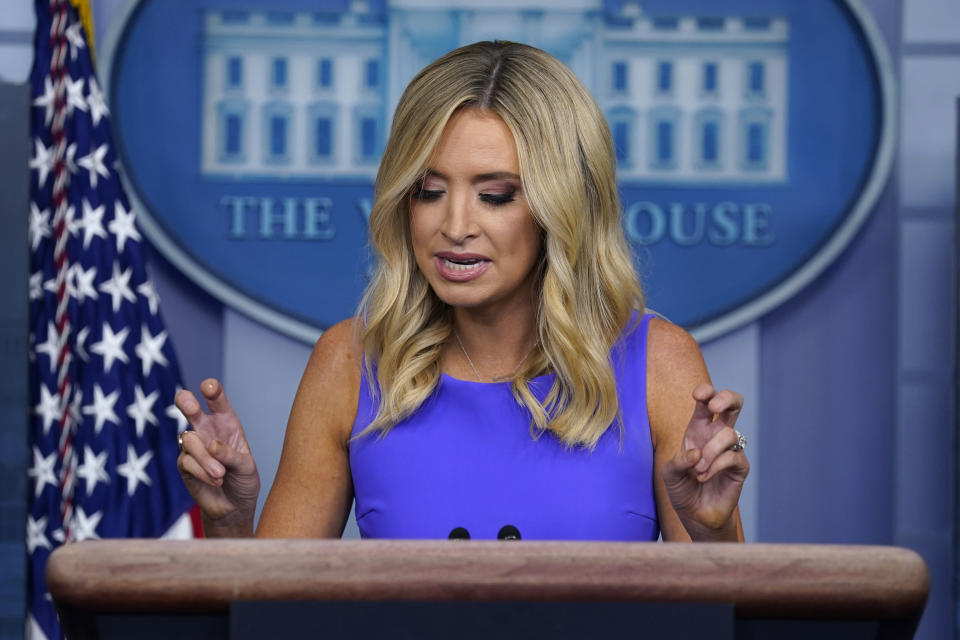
column 467, row 459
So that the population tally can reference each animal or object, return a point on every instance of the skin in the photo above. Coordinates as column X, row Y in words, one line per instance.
column 463, row 207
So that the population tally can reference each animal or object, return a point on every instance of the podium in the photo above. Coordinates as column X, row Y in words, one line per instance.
column 230, row 588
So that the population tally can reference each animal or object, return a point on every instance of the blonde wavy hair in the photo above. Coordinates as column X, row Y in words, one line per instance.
column 588, row 287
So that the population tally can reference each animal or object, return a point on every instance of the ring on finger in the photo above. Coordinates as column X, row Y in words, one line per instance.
column 180, row 440
column 740, row 443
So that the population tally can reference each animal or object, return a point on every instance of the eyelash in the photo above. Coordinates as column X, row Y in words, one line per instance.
column 493, row 199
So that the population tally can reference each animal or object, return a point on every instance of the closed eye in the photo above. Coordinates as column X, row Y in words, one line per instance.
column 427, row 195
column 498, row 199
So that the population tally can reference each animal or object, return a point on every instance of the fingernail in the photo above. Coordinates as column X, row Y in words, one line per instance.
column 702, row 465
column 216, row 469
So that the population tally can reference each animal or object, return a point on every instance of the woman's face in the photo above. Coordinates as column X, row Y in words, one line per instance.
column 473, row 236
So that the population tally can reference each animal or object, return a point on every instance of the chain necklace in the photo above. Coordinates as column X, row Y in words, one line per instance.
column 477, row 372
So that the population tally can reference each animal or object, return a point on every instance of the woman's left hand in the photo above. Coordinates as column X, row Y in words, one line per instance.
column 704, row 479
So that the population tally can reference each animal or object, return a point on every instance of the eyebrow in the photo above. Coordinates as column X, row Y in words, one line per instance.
column 482, row 177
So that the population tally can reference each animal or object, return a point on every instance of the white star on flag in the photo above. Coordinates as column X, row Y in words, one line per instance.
column 42, row 161
column 50, row 346
column 84, row 283
column 102, row 408
column 84, row 526
column 150, row 349
column 173, row 412
column 118, row 286
column 42, row 470
column 46, row 100
column 36, row 534
column 51, row 285
column 81, row 346
column 134, row 469
column 75, row 99
column 76, row 39
column 70, row 217
column 148, row 291
column 39, row 225
column 93, row 470
column 92, row 222
column 123, row 225
column 141, row 409
column 36, row 285
column 98, row 107
column 48, row 408
column 93, row 162
column 111, row 346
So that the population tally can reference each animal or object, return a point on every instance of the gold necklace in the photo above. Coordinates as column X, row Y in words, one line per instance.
column 477, row 372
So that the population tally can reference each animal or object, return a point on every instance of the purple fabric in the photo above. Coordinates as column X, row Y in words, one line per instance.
column 467, row 459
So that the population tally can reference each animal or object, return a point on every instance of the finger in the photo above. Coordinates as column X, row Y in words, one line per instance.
column 190, row 408
column 195, row 447
column 702, row 394
column 726, row 406
column 727, row 461
column 232, row 459
column 678, row 467
column 190, row 468
column 215, row 396
column 720, row 442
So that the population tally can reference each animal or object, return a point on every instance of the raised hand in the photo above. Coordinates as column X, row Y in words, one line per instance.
column 216, row 464
column 705, row 477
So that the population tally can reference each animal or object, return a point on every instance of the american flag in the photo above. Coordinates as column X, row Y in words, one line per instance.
column 103, row 428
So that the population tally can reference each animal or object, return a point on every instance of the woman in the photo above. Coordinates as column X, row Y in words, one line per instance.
column 500, row 370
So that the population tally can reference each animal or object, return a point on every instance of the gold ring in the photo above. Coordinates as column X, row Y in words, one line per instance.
column 180, row 441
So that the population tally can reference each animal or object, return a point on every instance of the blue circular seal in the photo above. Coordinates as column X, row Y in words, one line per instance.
column 753, row 137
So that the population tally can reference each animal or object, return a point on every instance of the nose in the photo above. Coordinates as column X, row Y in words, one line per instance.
column 458, row 224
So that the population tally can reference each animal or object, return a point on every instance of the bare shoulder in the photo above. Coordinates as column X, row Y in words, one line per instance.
column 340, row 344
column 675, row 368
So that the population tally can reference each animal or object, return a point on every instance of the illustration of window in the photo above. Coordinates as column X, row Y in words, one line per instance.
column 755, row 139
column 664, row 77
column 663, row 138
column 666, row 24
column 707, row 138
column 323, row 127
column 618, row 73
column 235, row 17
column 367, row 127
column 278, row 73
column 371, row 74
column 325, row 73
column 710, row 24
column 278, row 121
column 710, row 77
column 231, row 115
column 280, row 18
column 755, row 79
column 234, row 72
column 621, row 126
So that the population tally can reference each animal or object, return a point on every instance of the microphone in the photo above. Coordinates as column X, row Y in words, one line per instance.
column 508, row 532
column 459, row 533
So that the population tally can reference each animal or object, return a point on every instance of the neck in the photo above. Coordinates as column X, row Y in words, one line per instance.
column 490, row 348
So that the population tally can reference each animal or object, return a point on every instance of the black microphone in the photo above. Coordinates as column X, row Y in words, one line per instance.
column 508, row 532
column 459, row 533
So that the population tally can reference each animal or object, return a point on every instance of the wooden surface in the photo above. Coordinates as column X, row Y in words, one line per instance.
column 762, row 581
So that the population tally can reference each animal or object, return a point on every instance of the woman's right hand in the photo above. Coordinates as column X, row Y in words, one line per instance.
column 216, row 464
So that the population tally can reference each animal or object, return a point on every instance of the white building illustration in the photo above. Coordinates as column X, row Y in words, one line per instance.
column 310, row 94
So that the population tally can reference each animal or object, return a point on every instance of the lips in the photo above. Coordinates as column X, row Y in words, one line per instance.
column 461, row 267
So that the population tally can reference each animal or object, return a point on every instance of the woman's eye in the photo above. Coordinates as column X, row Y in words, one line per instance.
column 498, row 199
column 427, row 195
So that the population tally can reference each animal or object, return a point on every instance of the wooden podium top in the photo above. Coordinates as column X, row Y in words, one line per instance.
column 760, row 580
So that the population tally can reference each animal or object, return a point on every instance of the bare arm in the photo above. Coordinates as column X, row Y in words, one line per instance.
column 313, row 491
column 697, row 479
